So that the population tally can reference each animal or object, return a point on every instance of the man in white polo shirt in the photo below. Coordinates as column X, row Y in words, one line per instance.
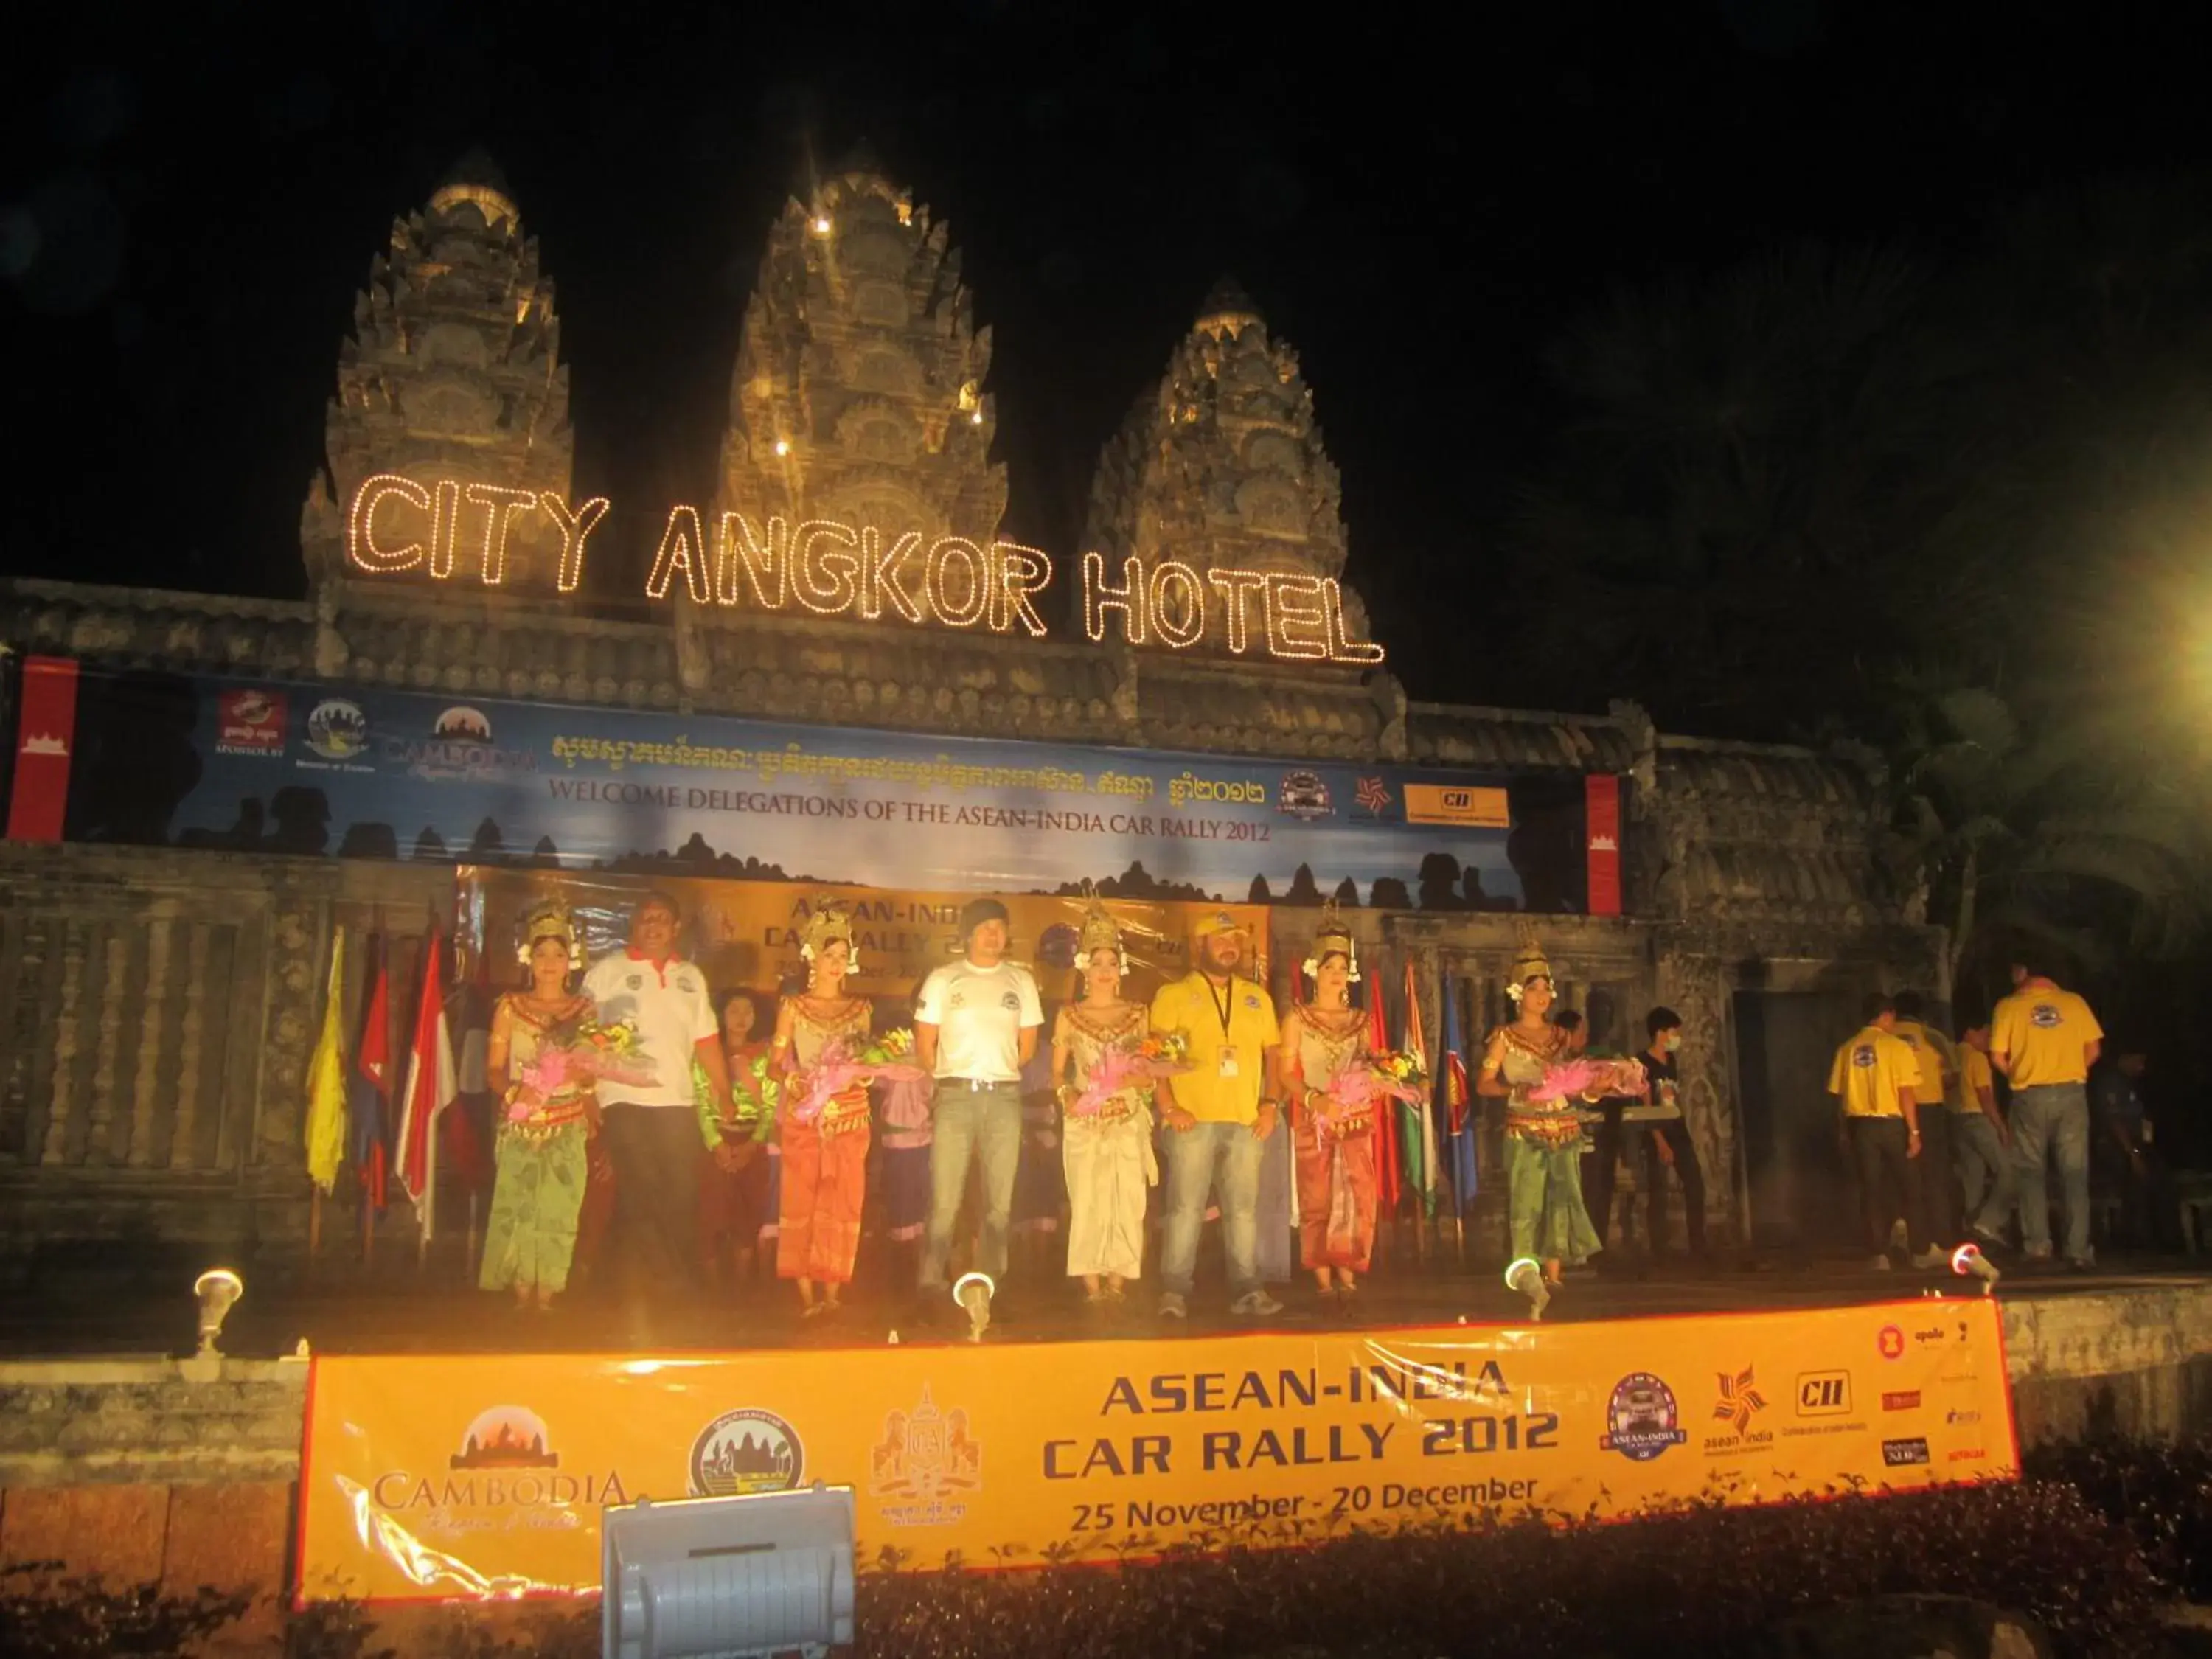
column 651, row 1130
column 974, row 1028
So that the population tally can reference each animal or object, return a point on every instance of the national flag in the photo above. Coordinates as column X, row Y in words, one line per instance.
column 430, row 1088
column 1387, row 1186
column 1420, row 1123
column 1457, row 1096
column 326, row 1091
column 369, row 1089
column 465, row 1133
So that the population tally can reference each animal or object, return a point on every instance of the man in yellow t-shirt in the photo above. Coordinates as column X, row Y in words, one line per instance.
column 2045, row 1040
column 1217, row 1114
column 1939, row 1064
column 1875, row 1076
column 1981, row 1145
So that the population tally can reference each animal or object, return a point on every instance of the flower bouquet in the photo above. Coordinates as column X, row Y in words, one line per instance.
column 844, row 1063
column 1123, row 1065
column 1593, row 1079
column 574, row 1055
column 1342, row 1108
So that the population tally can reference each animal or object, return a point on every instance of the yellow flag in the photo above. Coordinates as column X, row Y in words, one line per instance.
column 326, row 1105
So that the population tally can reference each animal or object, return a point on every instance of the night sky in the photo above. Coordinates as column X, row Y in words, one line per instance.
column 188, row 206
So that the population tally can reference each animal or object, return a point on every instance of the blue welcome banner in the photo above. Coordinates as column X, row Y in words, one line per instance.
column 322, row 770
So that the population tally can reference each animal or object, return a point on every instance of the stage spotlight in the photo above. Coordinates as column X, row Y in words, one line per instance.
column 1526, row 1275
column 215, row 1291
column 755, row 1574
column 1968, row 1258
column 974, row 1292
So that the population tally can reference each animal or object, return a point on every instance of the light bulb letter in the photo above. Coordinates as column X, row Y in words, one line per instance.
column 973, row 584
column 682, row 548
column 1297, row 623
column 1021, row 571
column 1100, row 596
column 1340, row 648
column 762, row 556
column 576, row 524
column 1234, row 586
column 445, row 526
column 361, row 529
column 1176, row 601
column 879, row 574
column 500, row 504
column 826, row 582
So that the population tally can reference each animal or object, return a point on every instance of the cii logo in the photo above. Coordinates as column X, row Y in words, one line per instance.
column 1823, row 1393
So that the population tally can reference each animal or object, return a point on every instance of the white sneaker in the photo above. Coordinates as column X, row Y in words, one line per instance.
column 1933, row 1256
column 1171, row 1305
column 1880, row 1264
column 1256, row 1304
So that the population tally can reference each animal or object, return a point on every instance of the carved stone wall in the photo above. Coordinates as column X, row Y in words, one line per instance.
column 159, row 1010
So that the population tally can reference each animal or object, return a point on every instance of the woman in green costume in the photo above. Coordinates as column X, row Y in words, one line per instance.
column 548, row 1112
column 1543, row 1138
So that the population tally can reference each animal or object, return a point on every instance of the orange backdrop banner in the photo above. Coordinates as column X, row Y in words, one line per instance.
column 485, row 1475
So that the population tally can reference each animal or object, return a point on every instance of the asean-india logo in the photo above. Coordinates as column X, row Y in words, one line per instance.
column 746, row 1451
column 1641, row 1419
column 1741, row 1400
column 925, row 1456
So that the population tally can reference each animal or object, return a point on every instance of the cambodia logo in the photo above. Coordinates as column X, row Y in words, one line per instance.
column 746, row 1451
column 249, row 723
column 459, row 747
column 925, row 1463
column 1890, row 1342
column 1641, row 1419
column 505, row 1438
column 337, row 729
column 1303, row 796
column 1741, row 1400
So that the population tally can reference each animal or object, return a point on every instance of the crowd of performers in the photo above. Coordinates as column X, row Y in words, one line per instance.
column 1138, row 1117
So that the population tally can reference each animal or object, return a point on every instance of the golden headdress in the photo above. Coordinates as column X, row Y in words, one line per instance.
column 830, row 923
column 1100, row 931
column 548, row 919
column 1529, row 959
column 1333, row 935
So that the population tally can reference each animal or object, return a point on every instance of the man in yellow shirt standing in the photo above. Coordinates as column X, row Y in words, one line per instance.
column 1980, row 1143
column 2046, row 1040
column 1217, row 1117
column 1873, row 1076
column 1939, row 1063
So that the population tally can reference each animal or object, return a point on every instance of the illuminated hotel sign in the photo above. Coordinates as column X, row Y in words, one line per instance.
column 397, row 525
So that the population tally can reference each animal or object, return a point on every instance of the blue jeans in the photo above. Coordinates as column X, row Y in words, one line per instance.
column 965, row 1125
column 1985, row 1169
column 2052, row 1117
column 1199, row 1158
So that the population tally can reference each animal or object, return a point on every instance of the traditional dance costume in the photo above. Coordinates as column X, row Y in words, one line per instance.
column 825, row 1163
column 1108, row 1154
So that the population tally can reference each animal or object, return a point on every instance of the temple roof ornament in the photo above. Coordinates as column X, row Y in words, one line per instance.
column 451, row 384
column 1221, row 467
column 857, row 395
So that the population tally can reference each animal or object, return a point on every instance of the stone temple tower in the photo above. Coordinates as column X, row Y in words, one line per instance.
column 451, row 396
column 1220, row 467
column 858, row 390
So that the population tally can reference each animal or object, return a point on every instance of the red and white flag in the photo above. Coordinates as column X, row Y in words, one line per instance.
column 431, row 1087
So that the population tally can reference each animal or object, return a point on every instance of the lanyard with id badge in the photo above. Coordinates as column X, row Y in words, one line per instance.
column 1223, row 1006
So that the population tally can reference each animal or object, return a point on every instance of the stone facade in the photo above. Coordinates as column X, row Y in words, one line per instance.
column 159, row 1005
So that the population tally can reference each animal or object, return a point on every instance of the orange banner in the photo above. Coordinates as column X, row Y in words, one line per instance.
column 481, row 1476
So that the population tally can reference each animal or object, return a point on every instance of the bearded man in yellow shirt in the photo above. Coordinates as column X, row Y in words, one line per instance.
column 2045, row 1040
column 1874, row 1077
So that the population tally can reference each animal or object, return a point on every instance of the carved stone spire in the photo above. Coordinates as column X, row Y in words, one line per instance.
column 859, row 390
column 451, row 378
column 1220, row 466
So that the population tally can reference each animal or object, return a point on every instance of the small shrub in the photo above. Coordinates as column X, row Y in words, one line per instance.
column 2162, row 1494
column 45, row 1615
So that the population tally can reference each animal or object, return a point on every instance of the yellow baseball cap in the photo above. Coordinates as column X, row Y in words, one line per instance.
column 1218, row 921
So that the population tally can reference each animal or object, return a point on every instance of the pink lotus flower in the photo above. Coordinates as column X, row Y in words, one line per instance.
column 1596, row 1078
column 839, row 1067
column 1120, row 1067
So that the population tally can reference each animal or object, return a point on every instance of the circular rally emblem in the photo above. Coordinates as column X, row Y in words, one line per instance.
column 1641, row 1420
column 746, row 1451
